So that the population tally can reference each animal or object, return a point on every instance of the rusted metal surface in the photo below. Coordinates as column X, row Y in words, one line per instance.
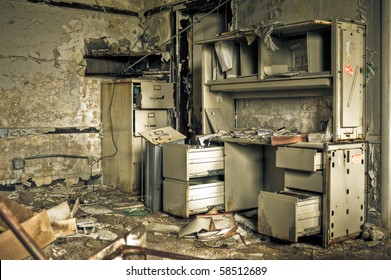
column 13, row 224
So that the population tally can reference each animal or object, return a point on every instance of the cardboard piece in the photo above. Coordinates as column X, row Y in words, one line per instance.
column 60, row 212
column 162, row 135
column 40, row 230
column 64, row 227
column 20, row 212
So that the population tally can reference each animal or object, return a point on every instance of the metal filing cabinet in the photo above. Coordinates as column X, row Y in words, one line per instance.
column 329, row 181
column 193, row 179
column 128, row 108
column 153, row 171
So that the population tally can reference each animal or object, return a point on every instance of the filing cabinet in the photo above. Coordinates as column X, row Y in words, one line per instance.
column 129, row 107
column 323, row 194
column 193, row 179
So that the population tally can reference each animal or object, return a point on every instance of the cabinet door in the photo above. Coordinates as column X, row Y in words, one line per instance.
column 349, row 81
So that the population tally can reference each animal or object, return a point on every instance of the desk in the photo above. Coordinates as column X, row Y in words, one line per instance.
column 252, row 167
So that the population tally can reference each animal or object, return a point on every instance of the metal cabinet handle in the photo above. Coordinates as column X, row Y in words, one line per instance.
column 157, row 97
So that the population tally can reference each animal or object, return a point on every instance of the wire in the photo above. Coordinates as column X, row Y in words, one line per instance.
column 176, row 35
column 134, row 45
column 111, row 130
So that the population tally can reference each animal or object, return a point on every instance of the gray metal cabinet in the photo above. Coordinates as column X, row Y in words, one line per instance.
column 193, row 179
column 337, row 189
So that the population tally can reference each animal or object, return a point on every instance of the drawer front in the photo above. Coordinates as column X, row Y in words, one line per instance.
column 203, row 205
column 203, row 169
column 157, row 95
column 206, row 190
column 206, row 154
column 299, row 159
column 147, row 120
column 308, row 181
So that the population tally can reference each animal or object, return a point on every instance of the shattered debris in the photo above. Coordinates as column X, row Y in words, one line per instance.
column 373, row 233
column 214, row 230
column 213, row 235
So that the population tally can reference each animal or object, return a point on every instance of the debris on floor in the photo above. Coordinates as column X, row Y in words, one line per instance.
column 373, row 233
column 214, row 230
column 209, row 236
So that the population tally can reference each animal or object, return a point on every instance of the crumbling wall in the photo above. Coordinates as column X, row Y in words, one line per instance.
column 306, row 115
column 48, row 106
column 249, row 13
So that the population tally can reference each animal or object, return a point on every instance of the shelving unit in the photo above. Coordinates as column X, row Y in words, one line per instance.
column 304, row 188
column 318, row 58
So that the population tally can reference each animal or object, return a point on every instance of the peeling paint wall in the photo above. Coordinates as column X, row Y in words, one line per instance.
column 249, row 13
column 43, row 89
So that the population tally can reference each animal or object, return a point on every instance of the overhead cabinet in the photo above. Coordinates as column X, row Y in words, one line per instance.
column 312, row 58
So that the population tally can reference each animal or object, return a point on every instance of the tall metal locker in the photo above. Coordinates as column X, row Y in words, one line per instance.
column 128, row 108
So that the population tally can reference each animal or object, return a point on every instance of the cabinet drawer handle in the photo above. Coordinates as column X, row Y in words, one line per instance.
column 157, row 97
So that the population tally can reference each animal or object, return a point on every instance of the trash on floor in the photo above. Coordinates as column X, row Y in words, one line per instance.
column 96, row 210
column 214, row 230
column 38, row 228
column 162, row 228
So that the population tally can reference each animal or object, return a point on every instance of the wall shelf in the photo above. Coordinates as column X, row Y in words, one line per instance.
column 239, row 85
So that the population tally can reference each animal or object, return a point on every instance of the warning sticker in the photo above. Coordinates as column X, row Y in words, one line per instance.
column 356, row 158
column 348, row 69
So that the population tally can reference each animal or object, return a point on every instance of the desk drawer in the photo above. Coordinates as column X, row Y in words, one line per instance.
column 184, row 162
column 289, row 215
column 185, row 198
column 306, row 181
column 299, row 159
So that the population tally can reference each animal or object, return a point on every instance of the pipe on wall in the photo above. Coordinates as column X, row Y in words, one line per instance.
column 386, row 117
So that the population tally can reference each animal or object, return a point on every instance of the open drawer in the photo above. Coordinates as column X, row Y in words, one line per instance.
column 299, row 159
column 288, row 215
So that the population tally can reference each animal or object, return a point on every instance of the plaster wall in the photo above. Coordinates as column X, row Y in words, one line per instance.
column 43, row 88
